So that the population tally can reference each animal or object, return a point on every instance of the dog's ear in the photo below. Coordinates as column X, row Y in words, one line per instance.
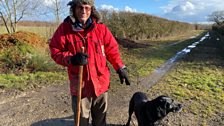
column 169, row 104
column 165, row 102
column 164, row 106
column 161, row 109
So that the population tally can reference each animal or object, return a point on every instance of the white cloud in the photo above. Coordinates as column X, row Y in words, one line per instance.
column 112, row 8
column 128, row 9
column 191, row 10
column 108, row 7
column 186, row 6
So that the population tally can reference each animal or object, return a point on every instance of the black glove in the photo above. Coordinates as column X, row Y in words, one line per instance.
column 123, row 76
column 79, row 59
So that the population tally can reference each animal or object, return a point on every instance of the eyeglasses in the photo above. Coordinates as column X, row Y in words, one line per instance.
column 86, row 8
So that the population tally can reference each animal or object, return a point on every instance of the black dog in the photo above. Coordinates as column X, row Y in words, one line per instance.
column 148, row 112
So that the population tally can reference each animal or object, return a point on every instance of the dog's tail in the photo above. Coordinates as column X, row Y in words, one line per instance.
column 130, row 111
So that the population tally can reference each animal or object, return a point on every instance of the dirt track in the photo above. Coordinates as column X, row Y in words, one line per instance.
column 50, row 106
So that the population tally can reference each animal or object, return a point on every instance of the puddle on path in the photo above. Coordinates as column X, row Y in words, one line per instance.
column 157, row 74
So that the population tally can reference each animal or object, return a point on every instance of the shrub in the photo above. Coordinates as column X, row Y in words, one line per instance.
column 25, row 58
column 16, row 57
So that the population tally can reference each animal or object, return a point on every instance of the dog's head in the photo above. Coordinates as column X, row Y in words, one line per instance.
column 164, row 105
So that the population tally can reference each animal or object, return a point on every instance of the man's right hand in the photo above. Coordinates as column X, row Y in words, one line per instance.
column 79, row 59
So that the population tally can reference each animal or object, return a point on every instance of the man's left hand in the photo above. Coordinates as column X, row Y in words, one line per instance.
column 123, row 76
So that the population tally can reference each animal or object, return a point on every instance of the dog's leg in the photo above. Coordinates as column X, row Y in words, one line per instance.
column 130, row 111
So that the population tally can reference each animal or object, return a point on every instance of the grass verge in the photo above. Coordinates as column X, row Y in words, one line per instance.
column 142, row 61
column 197, row 82
column 32, row 80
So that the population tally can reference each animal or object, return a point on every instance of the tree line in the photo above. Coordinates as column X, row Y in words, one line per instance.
column 140, row 26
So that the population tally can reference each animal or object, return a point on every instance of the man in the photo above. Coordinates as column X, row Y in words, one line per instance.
column 82, row 29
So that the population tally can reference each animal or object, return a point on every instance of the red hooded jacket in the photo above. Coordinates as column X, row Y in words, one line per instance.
column 99, row 44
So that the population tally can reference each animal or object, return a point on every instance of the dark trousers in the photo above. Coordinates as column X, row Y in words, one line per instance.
column 94, row 107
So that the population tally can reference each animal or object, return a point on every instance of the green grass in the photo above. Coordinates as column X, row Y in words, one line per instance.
column 31, row 80
column 143, row 61
column 197, row 82
column 24, row 66
column 25, row 58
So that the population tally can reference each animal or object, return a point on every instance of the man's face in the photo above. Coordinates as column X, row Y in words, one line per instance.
column 82, row 12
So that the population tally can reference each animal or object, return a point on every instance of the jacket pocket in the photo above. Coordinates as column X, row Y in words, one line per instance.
column 100, row 57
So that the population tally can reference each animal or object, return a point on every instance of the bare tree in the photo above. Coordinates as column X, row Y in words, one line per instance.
column 4, row 21
column 217, row 17
column 56, row 8
column 12, row 11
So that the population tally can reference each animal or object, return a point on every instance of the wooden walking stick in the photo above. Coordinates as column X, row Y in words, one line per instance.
column 79, row 97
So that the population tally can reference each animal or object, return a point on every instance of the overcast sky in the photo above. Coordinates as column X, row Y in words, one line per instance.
column 192, row 11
